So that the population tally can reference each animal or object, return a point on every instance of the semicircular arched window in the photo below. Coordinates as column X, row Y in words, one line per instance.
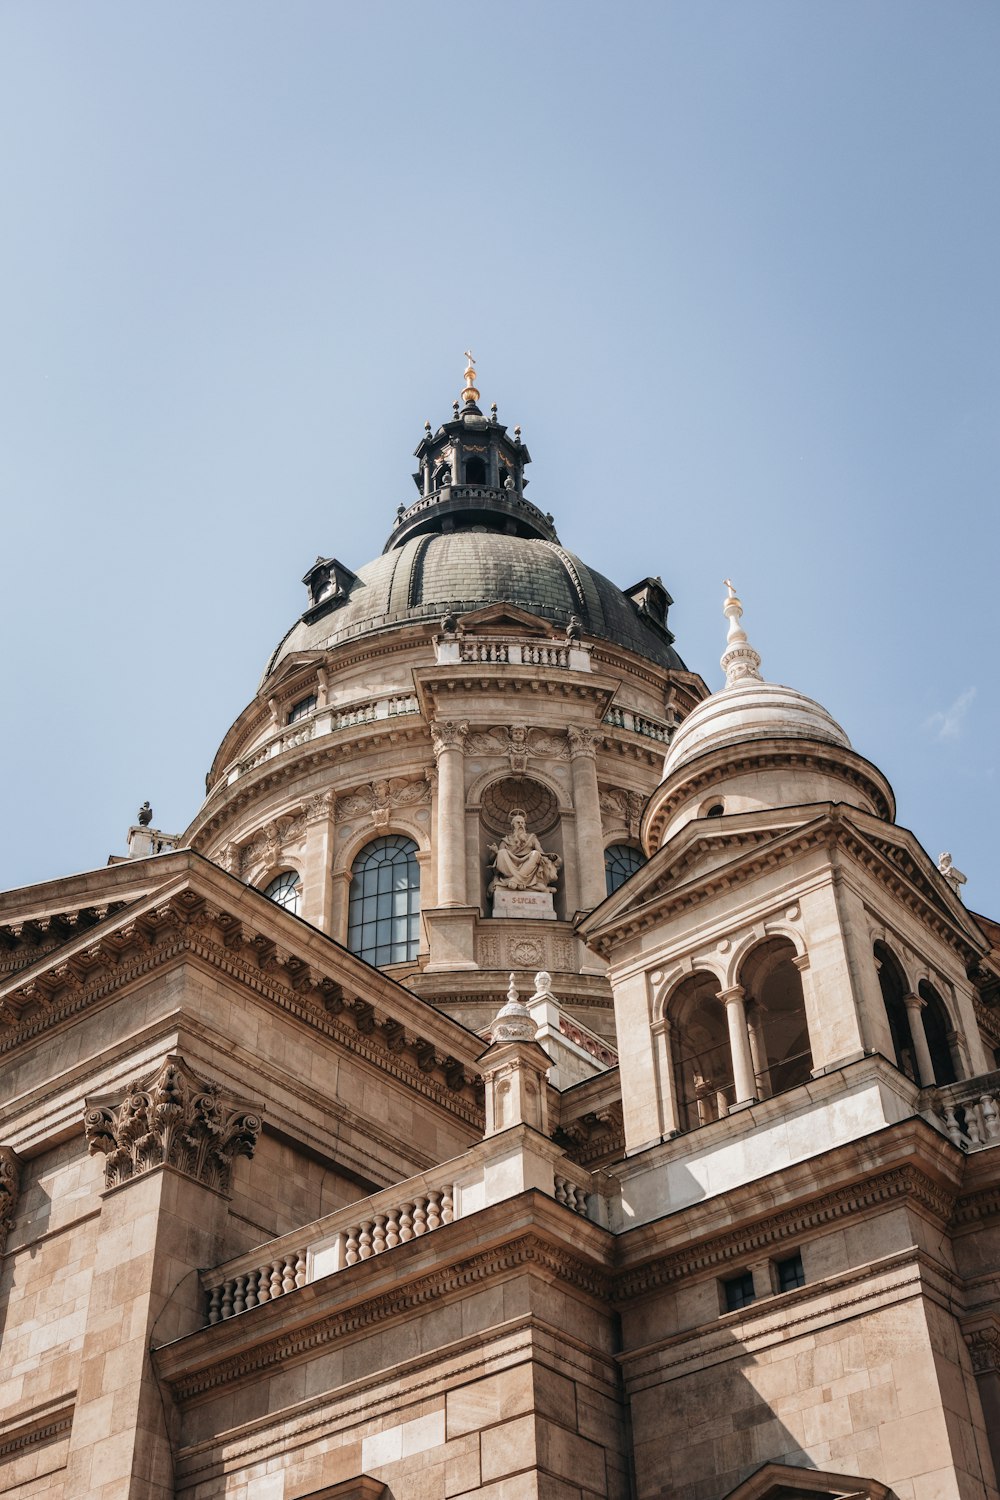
column 383, row 917
column 621, row 861
column 285, row 890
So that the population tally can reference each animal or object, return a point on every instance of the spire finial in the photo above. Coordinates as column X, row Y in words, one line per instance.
column 739, row 661
column 470, row 395
column 513, row 1022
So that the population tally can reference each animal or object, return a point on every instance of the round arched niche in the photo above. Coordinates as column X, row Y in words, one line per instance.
column 540, row 806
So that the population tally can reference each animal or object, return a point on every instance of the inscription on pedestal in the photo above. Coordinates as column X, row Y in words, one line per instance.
column 508, row 903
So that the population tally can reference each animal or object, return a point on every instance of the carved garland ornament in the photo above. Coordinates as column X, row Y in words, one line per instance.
column 10, row 1190
column 174, row 1119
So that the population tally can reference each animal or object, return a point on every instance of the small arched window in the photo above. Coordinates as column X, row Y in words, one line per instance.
column 621, row 861
column 892, row 982
column 383, row 920
column 700, row 1051
column 285, row 890
column 475, row 471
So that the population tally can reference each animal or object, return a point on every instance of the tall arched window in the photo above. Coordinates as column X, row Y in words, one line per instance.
column 892, row 982
column 699, row 1044
column 776, row 1017
column 621, row 861
column 475, row 471
column 383, row 919
column 285, row 890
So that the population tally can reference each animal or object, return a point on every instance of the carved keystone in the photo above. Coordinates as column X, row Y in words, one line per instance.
column 172, row 1118
column 10, row 1190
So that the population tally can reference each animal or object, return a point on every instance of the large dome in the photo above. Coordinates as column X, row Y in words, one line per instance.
column 466, row 569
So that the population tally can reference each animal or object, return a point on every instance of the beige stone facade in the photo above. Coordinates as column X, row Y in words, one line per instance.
column 682, row 1181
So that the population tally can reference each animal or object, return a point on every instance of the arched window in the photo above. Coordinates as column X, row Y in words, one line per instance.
column 776, row 1017
column 383, row 920
column 475, row 471
column 621, row 861
column 938, row 1031
column 443, row 476
column 892, row 982
column 699, row 1044
column 285, row 890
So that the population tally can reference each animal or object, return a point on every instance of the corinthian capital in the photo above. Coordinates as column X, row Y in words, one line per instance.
column 582, row 741
column 10, row 1189
column 448, row 734
column 172, row 1118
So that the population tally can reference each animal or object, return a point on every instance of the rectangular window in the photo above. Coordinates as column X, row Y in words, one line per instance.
column 303, row 707
column 738, row 1291
column 789, row 1273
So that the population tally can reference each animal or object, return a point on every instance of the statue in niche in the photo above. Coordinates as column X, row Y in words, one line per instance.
column 519, row 861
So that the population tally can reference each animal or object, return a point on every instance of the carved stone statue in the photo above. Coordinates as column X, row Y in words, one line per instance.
column 954, row 877
column 574, row 628
column 519, row 861
column 145, row 815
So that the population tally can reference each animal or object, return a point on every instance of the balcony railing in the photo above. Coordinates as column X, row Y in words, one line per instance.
column 653, row 729
column 505, row 651
column 322, row 721
column 969, row 1112
column 368, row 1228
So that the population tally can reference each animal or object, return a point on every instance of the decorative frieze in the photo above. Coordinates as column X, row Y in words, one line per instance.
column 984, row 1349
column 621, row 808
column 173, row 1119
column 379, row 799
column 10, row 1190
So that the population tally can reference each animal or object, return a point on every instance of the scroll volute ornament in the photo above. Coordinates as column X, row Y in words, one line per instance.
column 10, row 1190
column 176, row 1119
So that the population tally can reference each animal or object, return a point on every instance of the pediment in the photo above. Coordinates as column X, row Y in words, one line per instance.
column 185, row 909
column 289, row 665
column 505, row 619
column 786, row 1482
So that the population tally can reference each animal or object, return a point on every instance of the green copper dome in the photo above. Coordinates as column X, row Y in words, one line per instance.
column 462, row 570
column 471, row 540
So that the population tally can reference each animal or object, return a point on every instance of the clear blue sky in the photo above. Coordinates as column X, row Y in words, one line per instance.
column 733, row 267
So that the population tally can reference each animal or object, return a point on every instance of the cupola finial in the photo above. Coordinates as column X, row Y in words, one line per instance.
column 470, row 395
column 739, row 661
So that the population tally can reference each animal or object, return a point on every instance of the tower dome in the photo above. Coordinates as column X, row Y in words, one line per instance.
column 748, row 708
column 757, row 745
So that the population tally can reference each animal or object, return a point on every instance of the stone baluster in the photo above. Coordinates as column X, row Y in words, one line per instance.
column 378, row 1234
column 240, row 1294
column 990, row 1116
column 433, row 1210
column 392, row 1229
column 365, row 1251
column 405, row 1222
column 253, row 1281
column 215, row 1305
column 447, row 1205
column 419, row 1216
column 276, row 1286
column 288, row 1274
column 352, row 1253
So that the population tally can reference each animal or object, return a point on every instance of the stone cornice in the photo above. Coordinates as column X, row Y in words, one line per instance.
column 900, row 1183
column 46, row 1425
column 184, row 924
column 526, row 1248
column 834, row 828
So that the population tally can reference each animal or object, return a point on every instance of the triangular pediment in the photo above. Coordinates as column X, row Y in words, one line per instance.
column 786, row 1482
column 289, row 665
column 505, row 619
column 180, row 908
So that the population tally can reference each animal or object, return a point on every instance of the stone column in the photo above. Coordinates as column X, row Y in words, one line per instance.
column 739, row 1043
column 758, row 1052
column 591, row 880
column 670, row 1121
column 169, row 1143
column 925, row 1068
column 449, row 748
column 317, row 870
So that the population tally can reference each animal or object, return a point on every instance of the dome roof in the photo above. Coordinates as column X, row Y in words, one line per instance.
column 466, row 569
column 748, row 708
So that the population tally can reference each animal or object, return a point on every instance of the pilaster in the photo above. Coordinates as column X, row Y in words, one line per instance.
column 589, row 828
column 317, row 871
column 169, row 1144
column 449, row 749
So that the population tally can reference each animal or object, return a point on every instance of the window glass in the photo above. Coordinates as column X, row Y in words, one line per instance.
column 621, row 861
column 383, row 921
column 790, row 1273
column 738, row 1291
column 303, row 707
column 285, row 890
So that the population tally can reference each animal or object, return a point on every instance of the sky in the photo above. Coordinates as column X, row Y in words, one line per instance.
column 732, row 266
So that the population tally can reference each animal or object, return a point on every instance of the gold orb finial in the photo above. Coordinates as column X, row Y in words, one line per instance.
column 470, row 395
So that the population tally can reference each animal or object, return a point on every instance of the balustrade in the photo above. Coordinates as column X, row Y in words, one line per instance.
column 263, row 1284
column 969, row 1112
column 323, row 721
column 651, row 729
column 573, row 1197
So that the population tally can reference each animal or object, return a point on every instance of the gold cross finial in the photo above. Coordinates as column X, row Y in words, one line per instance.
column 470, row 395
